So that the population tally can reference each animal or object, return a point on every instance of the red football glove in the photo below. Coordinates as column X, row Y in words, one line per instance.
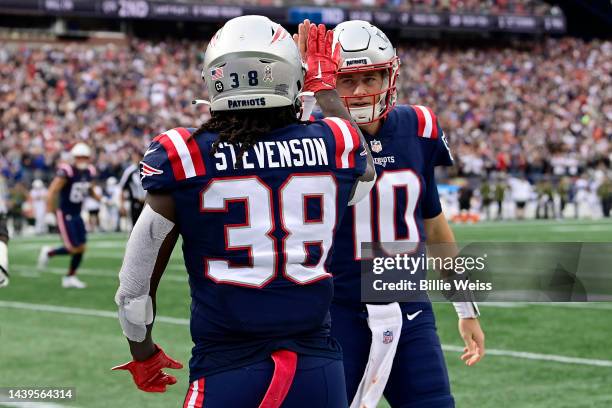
column 322, row 62
column 148, row 374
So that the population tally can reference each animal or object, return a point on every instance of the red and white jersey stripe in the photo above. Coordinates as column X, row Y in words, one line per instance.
column 66, row 168
column 183, row 152
column 428, row 124
column 347, row 142
column 195, row 395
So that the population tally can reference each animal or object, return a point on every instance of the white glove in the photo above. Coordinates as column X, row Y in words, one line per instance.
column 50, row 219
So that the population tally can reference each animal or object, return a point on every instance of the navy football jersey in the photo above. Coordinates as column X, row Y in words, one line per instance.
column 78, row 182
column 256, row 237
column 406, row 149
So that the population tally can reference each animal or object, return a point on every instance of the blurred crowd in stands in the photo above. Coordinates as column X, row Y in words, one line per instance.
column 542, row 111
column 520, row 7
column 536, row 111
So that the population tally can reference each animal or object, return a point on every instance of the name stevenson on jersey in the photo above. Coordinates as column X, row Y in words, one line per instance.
column 274, row 154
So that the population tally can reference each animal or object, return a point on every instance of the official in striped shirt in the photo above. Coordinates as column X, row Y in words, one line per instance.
column 130, row 182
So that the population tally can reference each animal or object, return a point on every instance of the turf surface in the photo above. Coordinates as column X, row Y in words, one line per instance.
column 75, row 342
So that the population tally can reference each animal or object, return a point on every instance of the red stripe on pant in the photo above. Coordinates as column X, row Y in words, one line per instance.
column 63, row 231
column 285, row 363
column 195, row 395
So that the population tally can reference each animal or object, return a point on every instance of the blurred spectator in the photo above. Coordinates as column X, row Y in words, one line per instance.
column 18, row 197
column 110, row 204
column 545, row 200
column 92, row 206
column 465, row 198
column 38, row 198
column 521, row 193
column 486, row 197
column 563, row 189
column 604, row 192
column 499, row 194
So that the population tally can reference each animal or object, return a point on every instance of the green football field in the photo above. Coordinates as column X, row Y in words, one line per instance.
column 545, row 355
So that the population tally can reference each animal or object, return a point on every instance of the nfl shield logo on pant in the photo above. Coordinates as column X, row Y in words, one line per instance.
column 387, row 336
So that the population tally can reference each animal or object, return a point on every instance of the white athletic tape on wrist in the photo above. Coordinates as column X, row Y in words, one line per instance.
column 466, row 310
column 134, row 316
column 308, row 104
column 132, row 297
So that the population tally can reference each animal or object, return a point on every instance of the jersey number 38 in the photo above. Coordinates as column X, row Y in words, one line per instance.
column 255, row 235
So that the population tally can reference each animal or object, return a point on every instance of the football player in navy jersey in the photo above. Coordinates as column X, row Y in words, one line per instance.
column 392, row 348
column 256, row 196
column 73, row 182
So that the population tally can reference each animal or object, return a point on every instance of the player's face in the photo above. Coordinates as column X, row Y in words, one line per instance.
column 81, row 162
column 360, row 84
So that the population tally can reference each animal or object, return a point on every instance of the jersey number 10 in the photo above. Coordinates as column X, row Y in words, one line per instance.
column 387, row 186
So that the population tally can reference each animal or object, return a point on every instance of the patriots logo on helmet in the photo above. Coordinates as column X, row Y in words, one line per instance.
column 280, row 34
column 387, row 337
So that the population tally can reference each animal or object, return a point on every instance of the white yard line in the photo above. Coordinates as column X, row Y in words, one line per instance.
column 29, row 271
column 184, row 322
column 533, row 223
column 538, row 356
column 502, row 305
column 569, row 305
column 82, row 312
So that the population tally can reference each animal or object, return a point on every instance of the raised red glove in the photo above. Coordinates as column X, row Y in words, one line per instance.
column 148, row 374
column 321, row 60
